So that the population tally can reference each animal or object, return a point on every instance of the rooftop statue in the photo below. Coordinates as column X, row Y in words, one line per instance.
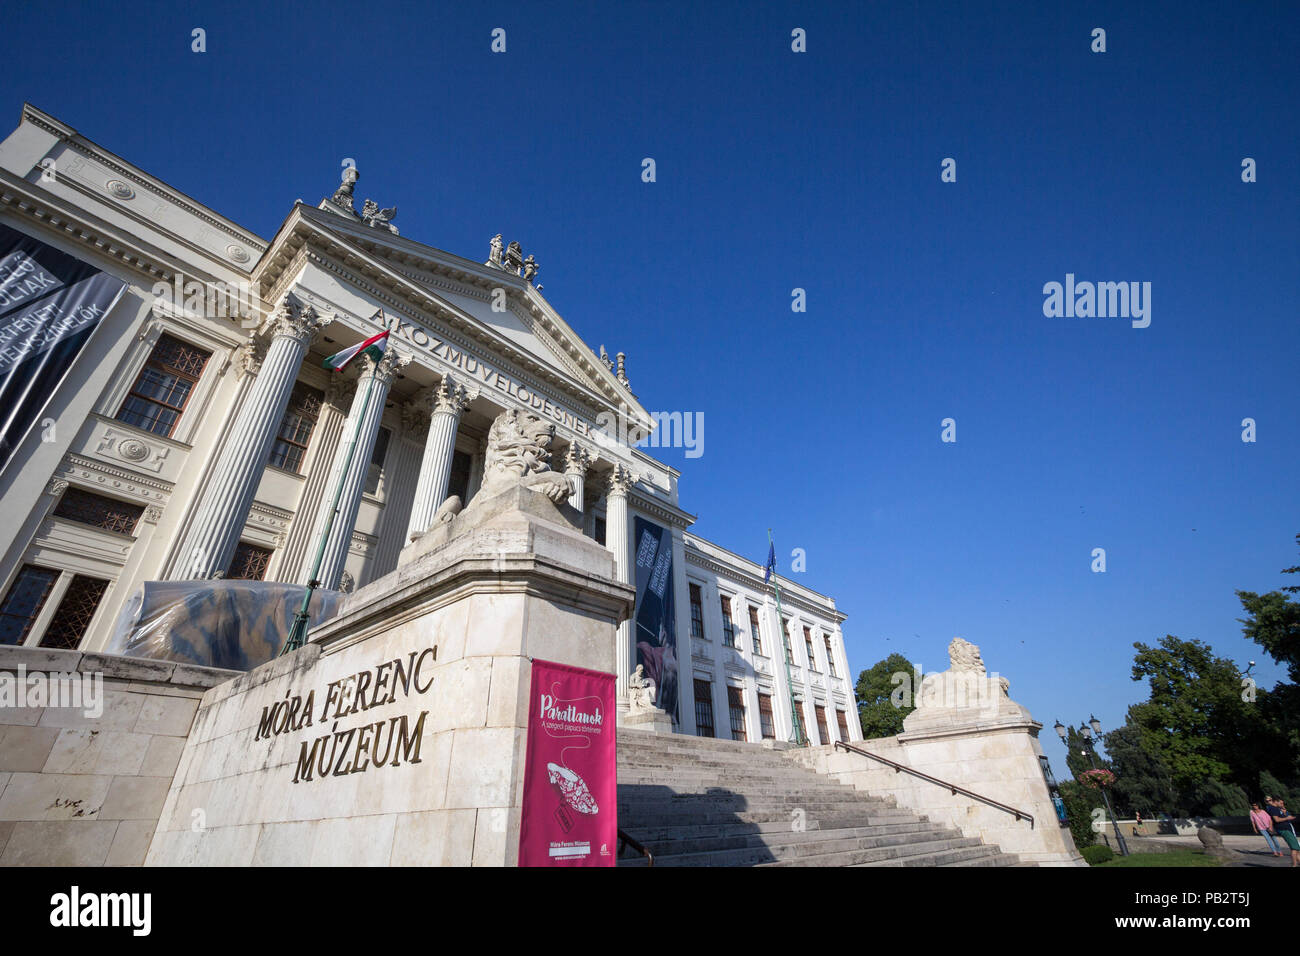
column 514, row 259
column 372, row 215
column 343, row 195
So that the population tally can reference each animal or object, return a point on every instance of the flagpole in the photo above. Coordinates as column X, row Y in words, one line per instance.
column 298, row 632
column 796, row 725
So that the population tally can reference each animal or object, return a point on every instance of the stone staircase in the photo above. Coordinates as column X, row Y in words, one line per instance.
column 695, row 801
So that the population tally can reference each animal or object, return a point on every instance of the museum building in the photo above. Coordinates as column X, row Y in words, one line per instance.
column 193, row 433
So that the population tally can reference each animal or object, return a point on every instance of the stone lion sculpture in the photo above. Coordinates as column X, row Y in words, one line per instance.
column 965, row 684
column 518, row 453
column 965, row 656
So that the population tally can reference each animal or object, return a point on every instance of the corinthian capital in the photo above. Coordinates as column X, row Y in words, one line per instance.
column 297, row 320
column 248, row 356
column 450, row 396
column 620, row 480
column 577, row 459
column 387, row 366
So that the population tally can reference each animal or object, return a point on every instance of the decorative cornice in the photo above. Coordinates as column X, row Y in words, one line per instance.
column 675, row 517
column 309, row 230
column 95, row 474
column 465, row 335
column 73, row 140
column 789, row 599
column 269, row 518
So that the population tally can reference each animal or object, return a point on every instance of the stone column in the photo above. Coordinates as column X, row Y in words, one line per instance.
column 360, row 431
column 576, row 462
column 446, row 403
column 213, row 534
column 327, row 437
column 618, row 541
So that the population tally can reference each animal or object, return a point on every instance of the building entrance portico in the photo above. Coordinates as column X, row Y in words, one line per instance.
column 237, row 472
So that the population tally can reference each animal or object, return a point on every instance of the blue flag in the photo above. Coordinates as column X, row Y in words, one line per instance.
column 771, row 562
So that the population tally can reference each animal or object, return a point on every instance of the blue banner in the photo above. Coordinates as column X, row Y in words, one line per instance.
column 50, row 304
column 654, row 620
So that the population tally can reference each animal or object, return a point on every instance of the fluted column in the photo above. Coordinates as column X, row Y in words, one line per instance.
column 446, row 402
column 360, row 431
column 617, row 537
column 213, row 535
column 576, row 461
column 327, row 437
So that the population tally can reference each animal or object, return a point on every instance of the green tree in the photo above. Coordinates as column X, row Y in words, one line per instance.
column 1143, row 783
column 1273, row 622
column 1076, row 754
column 1270, row 786
column 1293, row 588
column 1080, row 802
column 1194, row 707
column 882, row 701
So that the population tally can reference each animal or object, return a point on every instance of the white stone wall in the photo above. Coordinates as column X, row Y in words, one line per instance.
column 488, row 601
column 1000, row 763
column 718, row 572
column 84, row 790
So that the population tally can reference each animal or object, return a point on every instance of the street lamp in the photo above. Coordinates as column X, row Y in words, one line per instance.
column 1091, row 733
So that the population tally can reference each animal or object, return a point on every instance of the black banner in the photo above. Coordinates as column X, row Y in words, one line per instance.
column 50, row 304
column 654, row 620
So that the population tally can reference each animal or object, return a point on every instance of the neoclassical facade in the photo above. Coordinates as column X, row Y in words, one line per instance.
column 197, row 435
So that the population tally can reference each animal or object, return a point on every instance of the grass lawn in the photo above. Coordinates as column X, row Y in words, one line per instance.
column 1172, row 858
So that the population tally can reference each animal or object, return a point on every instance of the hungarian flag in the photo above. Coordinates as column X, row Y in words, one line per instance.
column 375, row 346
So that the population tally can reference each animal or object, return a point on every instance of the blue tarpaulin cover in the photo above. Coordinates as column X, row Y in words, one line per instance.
column 232, row 624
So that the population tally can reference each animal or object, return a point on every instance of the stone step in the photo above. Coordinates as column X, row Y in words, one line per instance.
column 782, row 772
column 848, row 852
column 696, row 801
column 677, row 843
column 826, row 820
column 759, row 755
column 638, row 816
column 812, row 794
column 982, row 855
column 746, row 797
column 709, row 830
column 930, row 853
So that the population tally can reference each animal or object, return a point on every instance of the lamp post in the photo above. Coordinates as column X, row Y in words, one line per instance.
column 1091, row 733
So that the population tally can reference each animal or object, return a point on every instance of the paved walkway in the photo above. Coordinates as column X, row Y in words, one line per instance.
column 1252, row 849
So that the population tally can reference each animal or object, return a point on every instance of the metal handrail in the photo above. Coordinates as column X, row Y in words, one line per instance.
column 625, row 840
column 951, row 787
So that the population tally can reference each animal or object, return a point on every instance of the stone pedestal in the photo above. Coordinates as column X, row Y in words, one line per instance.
column 966, row 730
column 404, row 719
column 656, row 721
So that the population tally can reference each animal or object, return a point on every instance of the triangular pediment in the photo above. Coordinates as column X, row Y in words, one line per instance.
column 529, row 325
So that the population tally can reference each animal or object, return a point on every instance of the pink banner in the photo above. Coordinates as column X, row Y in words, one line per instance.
column 570, row 808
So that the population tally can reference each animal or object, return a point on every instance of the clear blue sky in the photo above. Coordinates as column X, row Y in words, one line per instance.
column 821, row 171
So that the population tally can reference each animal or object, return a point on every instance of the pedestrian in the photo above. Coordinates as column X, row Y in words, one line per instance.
column 1137, row 822
column 1262, row 822
column 1284, row 826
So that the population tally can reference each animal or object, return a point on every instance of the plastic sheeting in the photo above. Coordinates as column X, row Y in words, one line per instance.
column 232, row 624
